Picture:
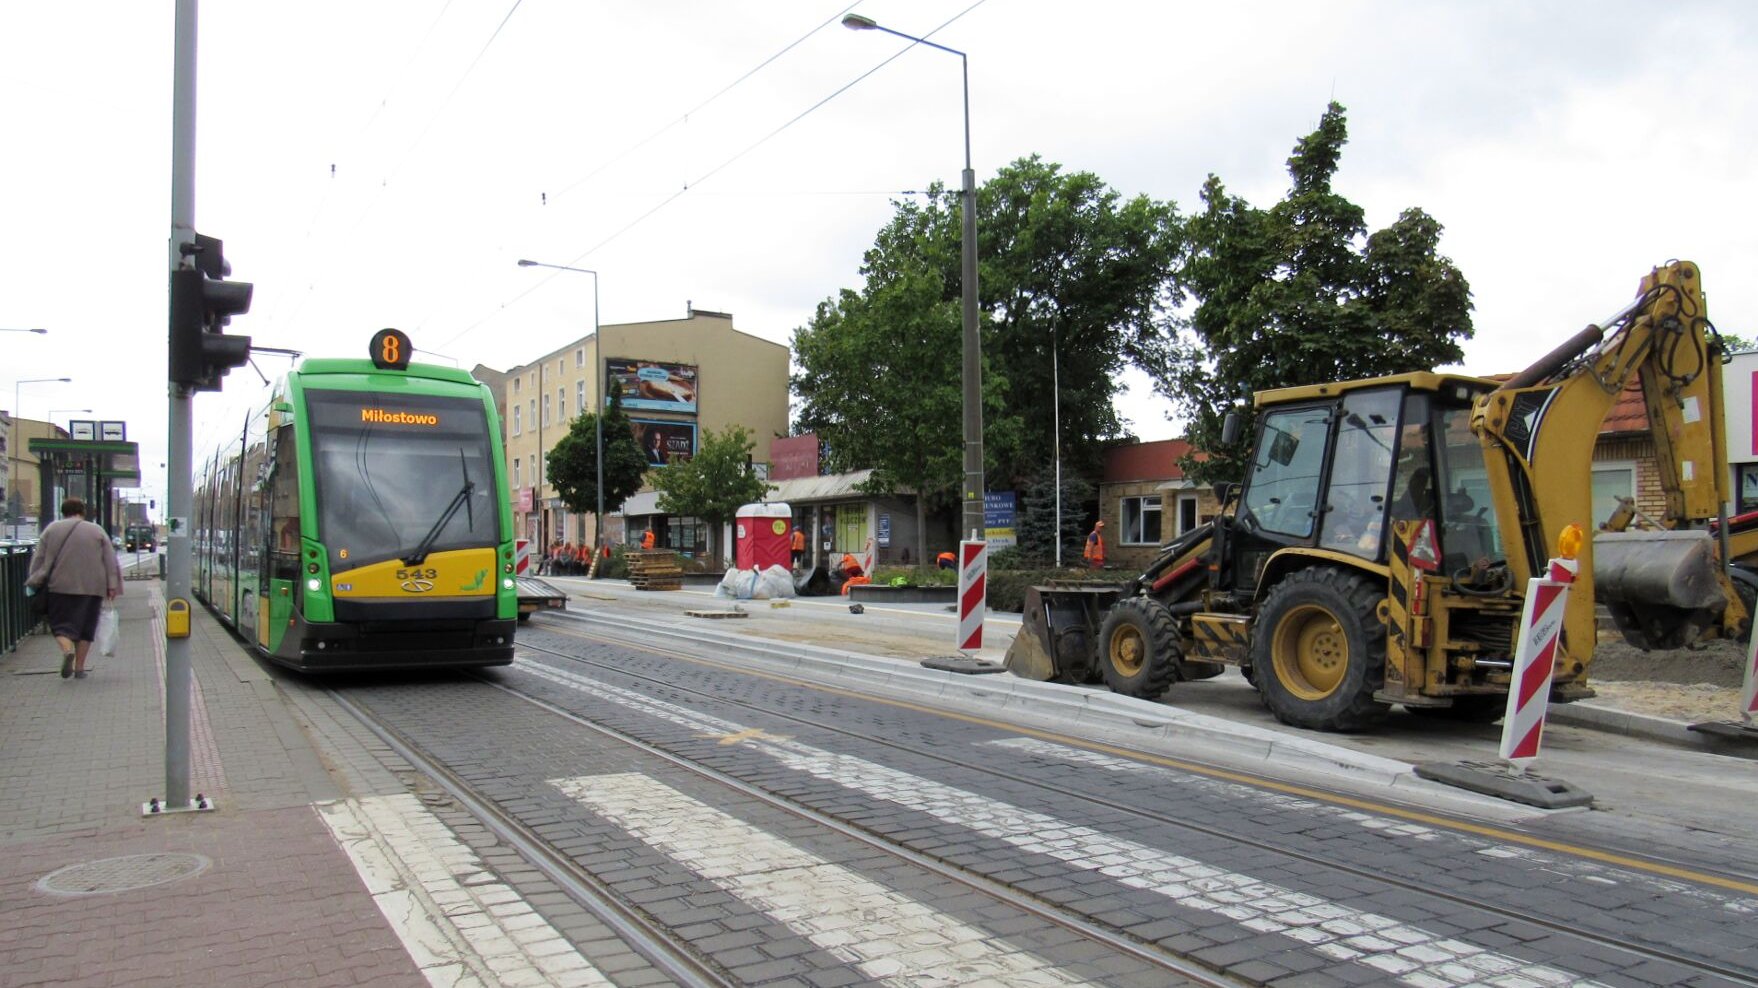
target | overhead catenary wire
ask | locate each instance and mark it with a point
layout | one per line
(674, 196)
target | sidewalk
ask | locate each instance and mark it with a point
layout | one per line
(256, 892)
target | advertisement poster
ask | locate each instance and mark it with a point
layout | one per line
(665, 443)
(998, 508)
(654, 386)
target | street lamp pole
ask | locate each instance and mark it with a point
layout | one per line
(12, 457)
(598, 396)
(973, 521)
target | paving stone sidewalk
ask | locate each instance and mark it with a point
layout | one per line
(256, 892)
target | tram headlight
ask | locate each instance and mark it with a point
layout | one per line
(506, 584)
(313, 585)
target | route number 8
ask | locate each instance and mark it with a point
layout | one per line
(390, 350)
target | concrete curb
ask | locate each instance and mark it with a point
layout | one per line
(1139, 725)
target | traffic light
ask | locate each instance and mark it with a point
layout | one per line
(202, 301)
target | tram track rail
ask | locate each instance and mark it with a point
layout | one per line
(675, 956)
(1606, 941)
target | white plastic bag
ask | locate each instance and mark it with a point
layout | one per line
(105, 642)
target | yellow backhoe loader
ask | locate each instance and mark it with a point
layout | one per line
(1377, 552)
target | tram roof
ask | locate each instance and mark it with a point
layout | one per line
(317, 367)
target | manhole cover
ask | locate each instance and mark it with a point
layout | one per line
(136, 871)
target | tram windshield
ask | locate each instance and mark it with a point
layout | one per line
(398, 473)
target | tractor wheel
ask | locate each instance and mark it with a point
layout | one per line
(1467, 710)
(1318, 652)
(1138, 648)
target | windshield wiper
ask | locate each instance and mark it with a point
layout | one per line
(459, 500)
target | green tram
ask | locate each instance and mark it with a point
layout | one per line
(361, 520)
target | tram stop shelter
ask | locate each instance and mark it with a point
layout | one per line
(89, 469)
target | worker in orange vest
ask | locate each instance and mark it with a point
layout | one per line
(647, 538)
(1094, 553)
(946, 560)
(799, 549)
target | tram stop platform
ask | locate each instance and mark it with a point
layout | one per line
(255, 892)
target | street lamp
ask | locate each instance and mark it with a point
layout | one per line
(598, 396)
(13, 457)
(58, 411)
(973, 346)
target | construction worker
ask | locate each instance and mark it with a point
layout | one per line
(946, 560)
(647, 539)
(799, 546)
(1094, 553)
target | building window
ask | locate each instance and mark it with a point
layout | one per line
(561, 404)
(546, 409)
(1141, 521)
(515, 385)
(580, 396)
(1187, 516)
(1610, 482)
(517, 421)
(580, 357)
(534, 413)
(517, 474)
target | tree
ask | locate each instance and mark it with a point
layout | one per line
(573, 462)
(1301, 293)
(713, 484)
(1036, 525)
(1065, 262)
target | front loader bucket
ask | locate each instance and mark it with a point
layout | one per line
(1055, 639)
(1663, 588)
(1029, 655)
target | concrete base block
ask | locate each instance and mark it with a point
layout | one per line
(962, 664)
(1506, 782)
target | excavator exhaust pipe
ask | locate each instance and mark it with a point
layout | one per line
(1663, 588)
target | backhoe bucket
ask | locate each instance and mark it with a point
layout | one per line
(1663, 588)
(1055, 639)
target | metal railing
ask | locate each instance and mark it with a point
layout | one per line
(15, 615)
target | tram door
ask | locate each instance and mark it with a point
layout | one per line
(281, 540)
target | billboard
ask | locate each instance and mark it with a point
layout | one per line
(655, 386)
(665, 443)
(998, 512)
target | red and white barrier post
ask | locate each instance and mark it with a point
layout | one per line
(973, 593)
(521, 556)
(1749, 695)
(867, 559)
(1535, 652)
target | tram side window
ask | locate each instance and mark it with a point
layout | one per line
(284, 496)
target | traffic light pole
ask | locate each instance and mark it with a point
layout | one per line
(179, 464)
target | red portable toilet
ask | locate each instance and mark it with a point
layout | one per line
(763, 536)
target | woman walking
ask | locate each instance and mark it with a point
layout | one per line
(75, 564)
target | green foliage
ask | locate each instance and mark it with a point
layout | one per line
(916, 576)
(1065, 261)
(713, 484)
(1035, 526)
(573, 462)
(1301, 293)
(1007, 588)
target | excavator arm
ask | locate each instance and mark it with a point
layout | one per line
(1539, 429)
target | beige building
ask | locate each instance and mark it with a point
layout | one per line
(22, 501)
(681, 378)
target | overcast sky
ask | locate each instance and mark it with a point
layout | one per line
(373, 164)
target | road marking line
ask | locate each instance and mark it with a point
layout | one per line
(1415, 956)
(459, 924)
(890, 937)
(1586, 870)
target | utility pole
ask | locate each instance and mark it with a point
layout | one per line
(199, 355)
(178, 465)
